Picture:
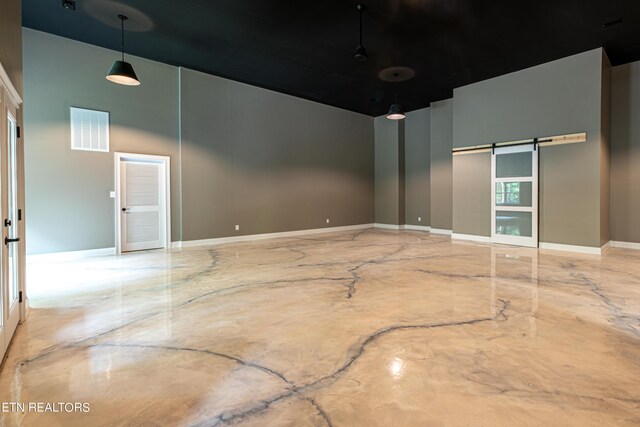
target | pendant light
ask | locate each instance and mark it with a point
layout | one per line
(121, 72)
(361, 53)
(395, 111)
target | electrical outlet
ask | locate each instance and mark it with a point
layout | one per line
(237, 228)
(112, 194)
(419, 219)
(328, 221)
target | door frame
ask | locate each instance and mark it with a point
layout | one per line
(532, 241)
(10, 114)
(11, 104)
(149, 158)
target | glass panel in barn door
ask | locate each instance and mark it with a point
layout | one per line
(514, 198)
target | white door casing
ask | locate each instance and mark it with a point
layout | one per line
(514, 195)
(11, 286)
(142, 202)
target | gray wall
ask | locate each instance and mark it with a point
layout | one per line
(472, 194)
(265, 161)
(67, 192)
(417, 159)
(570, 194)
(556, 98)
(402, 200)
(441, 172)
(11, 40)
(605, 151)
(389, 180)
(625, 153)
(269, 162)
(402, 159)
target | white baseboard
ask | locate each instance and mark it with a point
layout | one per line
(388, 226)
(471, 238)
(625, 245)
(27, 307)
(265, 236)
(571, 248)
(542, 245)
(441, 231)
(402, 227)
(416, 227)
(71, 255)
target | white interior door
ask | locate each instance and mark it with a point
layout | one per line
(514, 195)
(10, 265)
(142, 204)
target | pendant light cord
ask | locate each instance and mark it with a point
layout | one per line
(360, 27)
(396, 76)
(122, 19)
(122, 26)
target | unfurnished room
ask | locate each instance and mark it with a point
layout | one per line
(335, 213)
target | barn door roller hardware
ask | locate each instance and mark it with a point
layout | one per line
(537, 142)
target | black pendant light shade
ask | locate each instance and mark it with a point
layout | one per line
(395, 112)
(121, 72)
(361, 53)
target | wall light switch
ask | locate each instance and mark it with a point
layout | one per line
(112, 194)
(419, 219)
(328, 221)
(237, 228)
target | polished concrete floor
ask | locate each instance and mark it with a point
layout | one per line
(366, 328)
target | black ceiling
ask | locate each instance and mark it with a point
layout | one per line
(306, 48)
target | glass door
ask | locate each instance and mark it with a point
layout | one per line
(514, 196)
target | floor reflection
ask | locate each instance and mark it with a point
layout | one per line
(361, 328)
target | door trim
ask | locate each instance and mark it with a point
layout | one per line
(166, 160)
(11, 95)
(12, 309)
(8, 85)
